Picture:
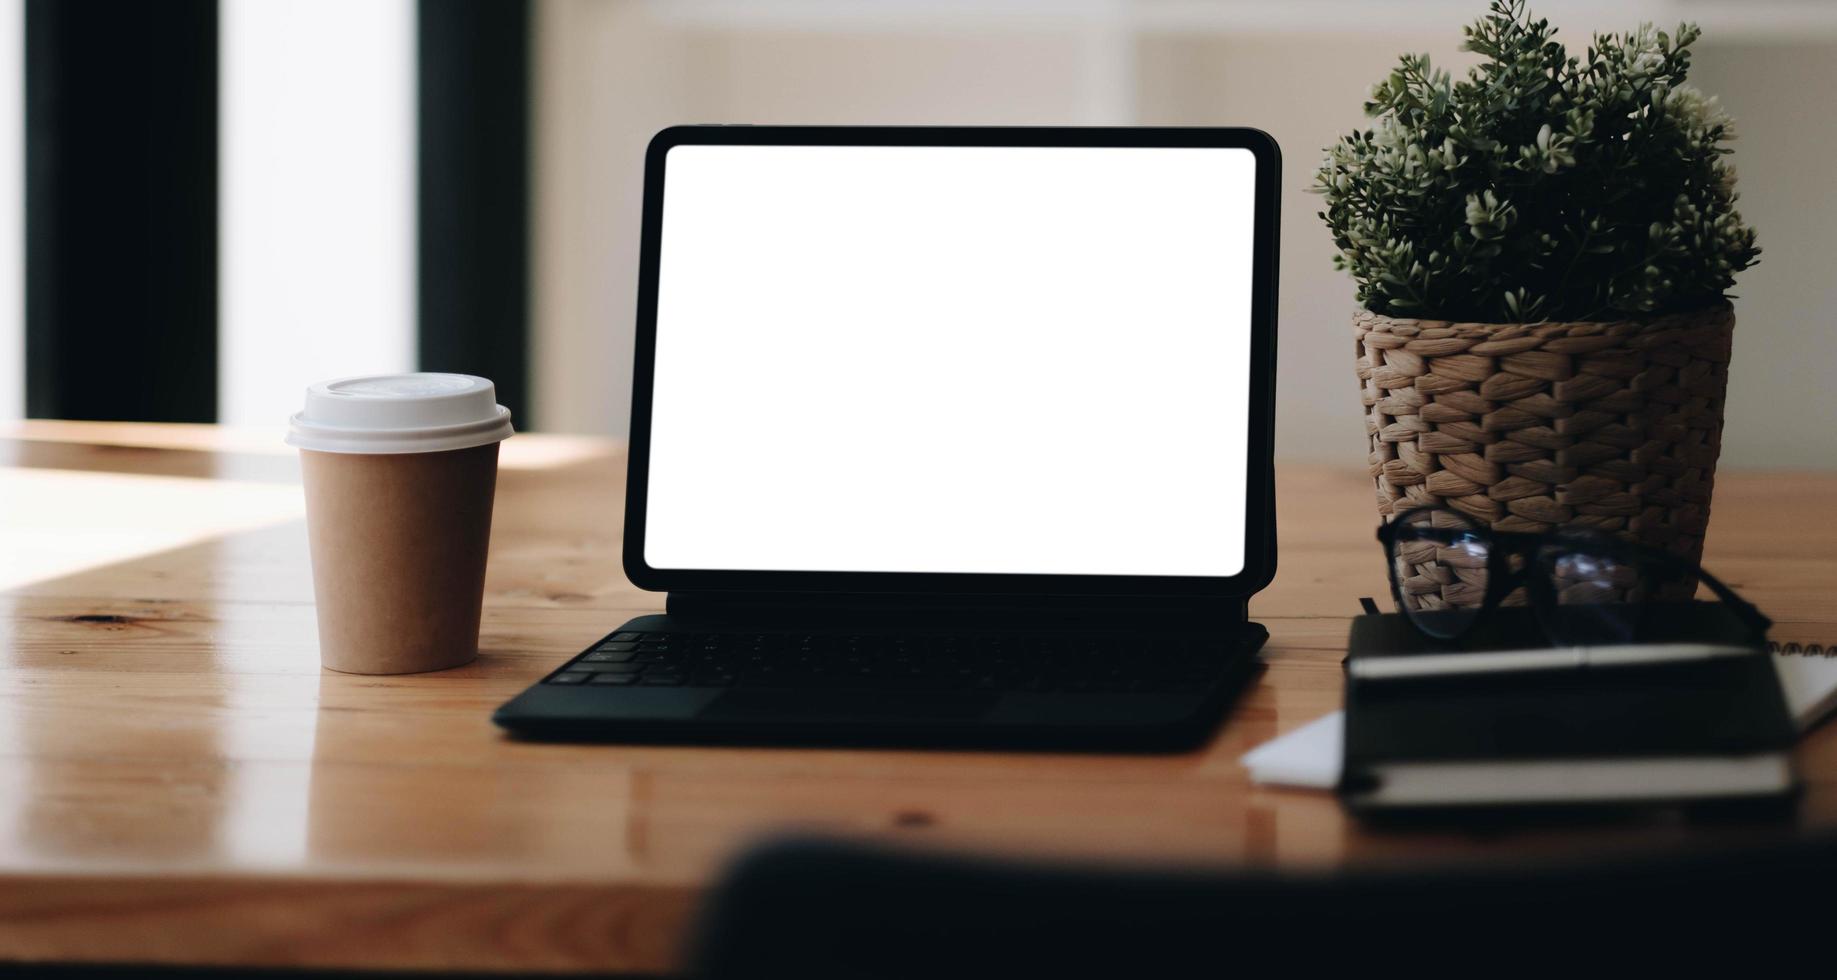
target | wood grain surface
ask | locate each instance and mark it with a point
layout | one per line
(181, 783)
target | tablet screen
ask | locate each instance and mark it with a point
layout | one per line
(1007, 360)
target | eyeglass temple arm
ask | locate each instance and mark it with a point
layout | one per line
(1742, 606)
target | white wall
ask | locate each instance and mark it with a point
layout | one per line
(1004, 78)
(606, 78)
(615, 70)
(1782, 407)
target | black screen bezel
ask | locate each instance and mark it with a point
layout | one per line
(1259, 505)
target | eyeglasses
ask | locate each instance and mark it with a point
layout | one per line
(1587, 587)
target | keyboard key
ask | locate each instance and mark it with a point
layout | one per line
(616, 647)
(626, 637)
(570, 677)
(608, 668)
(607, 657)
(614, 679)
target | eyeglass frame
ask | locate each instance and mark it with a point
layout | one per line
(1502, 580)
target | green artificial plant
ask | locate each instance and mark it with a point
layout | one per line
(1542, 186)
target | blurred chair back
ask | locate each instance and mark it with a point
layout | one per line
(817, 909)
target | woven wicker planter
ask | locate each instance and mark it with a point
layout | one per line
(1611, 425)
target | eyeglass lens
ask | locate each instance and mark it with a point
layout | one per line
(1598, 598)
(1439, 563)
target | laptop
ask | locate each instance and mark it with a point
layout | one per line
(942, 437)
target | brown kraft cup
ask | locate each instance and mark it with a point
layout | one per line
(398, 550)
(400, 472)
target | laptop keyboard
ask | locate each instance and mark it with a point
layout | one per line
(1071, 663)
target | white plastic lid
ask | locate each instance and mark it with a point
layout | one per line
(400, 413)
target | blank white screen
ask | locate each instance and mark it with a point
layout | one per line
(952, 359)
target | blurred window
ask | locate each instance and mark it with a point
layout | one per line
(317, 198)
(12, 209)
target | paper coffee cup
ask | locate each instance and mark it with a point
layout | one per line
(400, 472)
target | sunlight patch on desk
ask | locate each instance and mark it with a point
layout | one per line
(59, 522)
(524, 451)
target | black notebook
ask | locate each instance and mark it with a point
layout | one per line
(1693, 713)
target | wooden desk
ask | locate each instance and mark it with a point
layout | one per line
(179, 782)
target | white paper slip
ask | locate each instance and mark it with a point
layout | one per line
(1810, 683)
(1308, 757)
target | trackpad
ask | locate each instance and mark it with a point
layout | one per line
(865, 706)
